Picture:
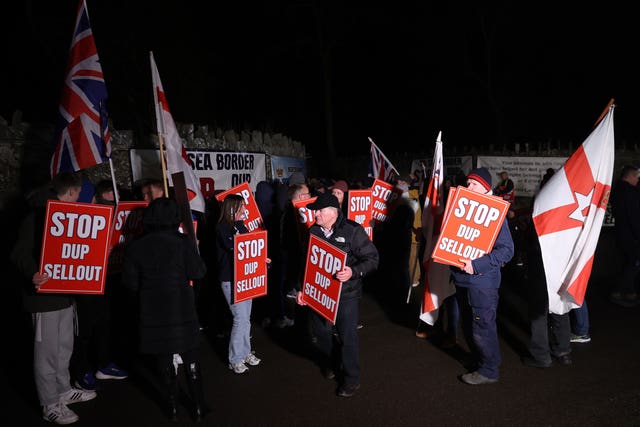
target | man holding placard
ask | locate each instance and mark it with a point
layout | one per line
(52, 313)
(477, 282)
(361, 260)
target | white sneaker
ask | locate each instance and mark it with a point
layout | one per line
(238, 368)
(252, 360)
(59, 414)
(76, 395)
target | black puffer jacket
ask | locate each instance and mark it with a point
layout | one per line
(362, 255)
(158, 267)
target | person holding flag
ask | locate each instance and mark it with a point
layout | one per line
(477, 284)
(438, 290)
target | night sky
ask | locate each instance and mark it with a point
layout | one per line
(398, 72)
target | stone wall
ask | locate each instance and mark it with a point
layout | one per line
(25, 151)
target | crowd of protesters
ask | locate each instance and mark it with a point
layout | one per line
(175, 291)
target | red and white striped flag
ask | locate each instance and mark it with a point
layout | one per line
(568, 214)
(437, 285)
(176, 155)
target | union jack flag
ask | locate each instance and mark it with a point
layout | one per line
(82, 135)
(379, 166)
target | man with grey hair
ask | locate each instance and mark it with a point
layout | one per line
(342, 349)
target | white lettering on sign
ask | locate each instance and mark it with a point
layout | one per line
(472, 209)
(381, 192)
(251, 268)
(72, 224)
(74, 250)
(250, 249)
(460, 249)
(121, 218)
(467, 232)
(305, 215)
(322, 280)
(249, 284)
(325, 260)
(359, 203)
(73, 272)
(323, 299)
(245, 195)
(379, 205)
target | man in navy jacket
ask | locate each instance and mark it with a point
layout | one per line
(477, 286)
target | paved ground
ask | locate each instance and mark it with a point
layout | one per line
(405, 381)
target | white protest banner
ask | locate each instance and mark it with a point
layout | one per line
(525, 172)
(216, 170)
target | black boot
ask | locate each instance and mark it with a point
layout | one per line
(171, 389)
(194, 380)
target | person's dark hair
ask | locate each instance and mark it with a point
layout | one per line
(230, 206)
(628, 170)
(64, 181)
(293, 189)
(161, 214)
(102, 187)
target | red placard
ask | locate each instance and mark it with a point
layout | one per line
(253, 219)
(359, 207)
(384, 196)
(320, 289)
(127, 225)
(471, 225)
(75, 246)
(249, 266)
(304, 215)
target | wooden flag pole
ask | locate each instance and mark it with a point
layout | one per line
(164, 166)
(604, 112)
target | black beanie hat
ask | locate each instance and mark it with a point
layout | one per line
(324, 200)
(481, 175)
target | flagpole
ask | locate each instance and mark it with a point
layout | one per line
(164, 166)
(604, 112)
(113, 182)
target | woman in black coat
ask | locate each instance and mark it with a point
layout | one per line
(158, 267)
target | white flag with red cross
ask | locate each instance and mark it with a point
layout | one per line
(568, 214)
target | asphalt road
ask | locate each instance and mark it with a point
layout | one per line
(405, 381)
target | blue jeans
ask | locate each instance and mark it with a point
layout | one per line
(239, 341)
(580, 319)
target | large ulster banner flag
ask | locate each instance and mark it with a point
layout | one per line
(568, 214)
